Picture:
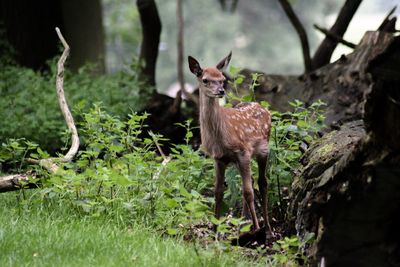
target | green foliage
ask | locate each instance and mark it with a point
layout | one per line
(289, 131)
(118, 174)
(288, 251)
(119, 177)
(29, 104)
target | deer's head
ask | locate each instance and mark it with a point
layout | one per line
(211, 80)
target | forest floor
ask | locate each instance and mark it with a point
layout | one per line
(38, 236)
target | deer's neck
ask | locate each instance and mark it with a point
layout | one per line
(211, 125)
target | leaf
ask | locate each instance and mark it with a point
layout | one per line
(239, 80)
(302, 124)
(191, 206)
(122, 180)
(171, 203)
(172, 231)
(247, 98)
(245, 228)
(216, 221)
(184, 192)
(195, 194)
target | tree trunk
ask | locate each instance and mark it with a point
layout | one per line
(29, 28)
(151, 31)
(83, 27)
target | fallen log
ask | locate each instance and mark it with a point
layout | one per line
(346, 193)
(342, 85)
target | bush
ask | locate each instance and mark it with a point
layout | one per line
(29, 104)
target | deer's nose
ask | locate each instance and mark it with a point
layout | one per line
(221, 91)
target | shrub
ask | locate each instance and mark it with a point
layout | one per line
(29, 104)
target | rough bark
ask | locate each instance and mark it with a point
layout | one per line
(16, 182)
(151, 30)
(83, 28)
(347, 190)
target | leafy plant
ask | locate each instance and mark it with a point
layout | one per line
(289, 131)
(29, 106)
(288, 251)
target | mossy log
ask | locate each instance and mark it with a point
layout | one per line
(347, 192)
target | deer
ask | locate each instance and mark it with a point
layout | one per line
(233, 135)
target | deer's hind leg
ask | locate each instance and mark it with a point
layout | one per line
(262, 159)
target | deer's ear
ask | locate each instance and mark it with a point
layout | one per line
(194, 67)
(224, 62)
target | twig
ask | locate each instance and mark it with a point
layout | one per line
(301, 33)
(335, 37)
(49, 163)
(166, 159)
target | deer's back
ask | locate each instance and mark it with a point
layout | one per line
(247, 127)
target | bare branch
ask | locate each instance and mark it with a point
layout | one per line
(335, 37)
(301, 33)
(325, 50)
(49, 164)
(389, 24)
(63, 102)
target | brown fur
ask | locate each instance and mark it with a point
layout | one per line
(233, 135)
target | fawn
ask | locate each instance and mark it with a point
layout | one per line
(233, 135)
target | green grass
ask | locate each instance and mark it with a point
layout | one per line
(38, 236)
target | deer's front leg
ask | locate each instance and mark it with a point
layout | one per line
(219, 185)
(248, 192)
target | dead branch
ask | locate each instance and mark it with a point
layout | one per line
(301, 33)
(335, 37)
(49, 164)
(17, 181)
(389, 24)
(325, 50)
(12, 182)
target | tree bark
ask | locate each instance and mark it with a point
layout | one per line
(346, 193)
(17, 182)
(151, 30)
(83, 28)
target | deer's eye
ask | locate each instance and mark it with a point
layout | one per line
(205, 81)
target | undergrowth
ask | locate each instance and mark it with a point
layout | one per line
(118, 176)
(29, 105)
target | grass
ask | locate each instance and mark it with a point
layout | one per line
(41, 236)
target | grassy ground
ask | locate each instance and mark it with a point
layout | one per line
(43, 237)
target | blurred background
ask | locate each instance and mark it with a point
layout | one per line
(109, 32)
